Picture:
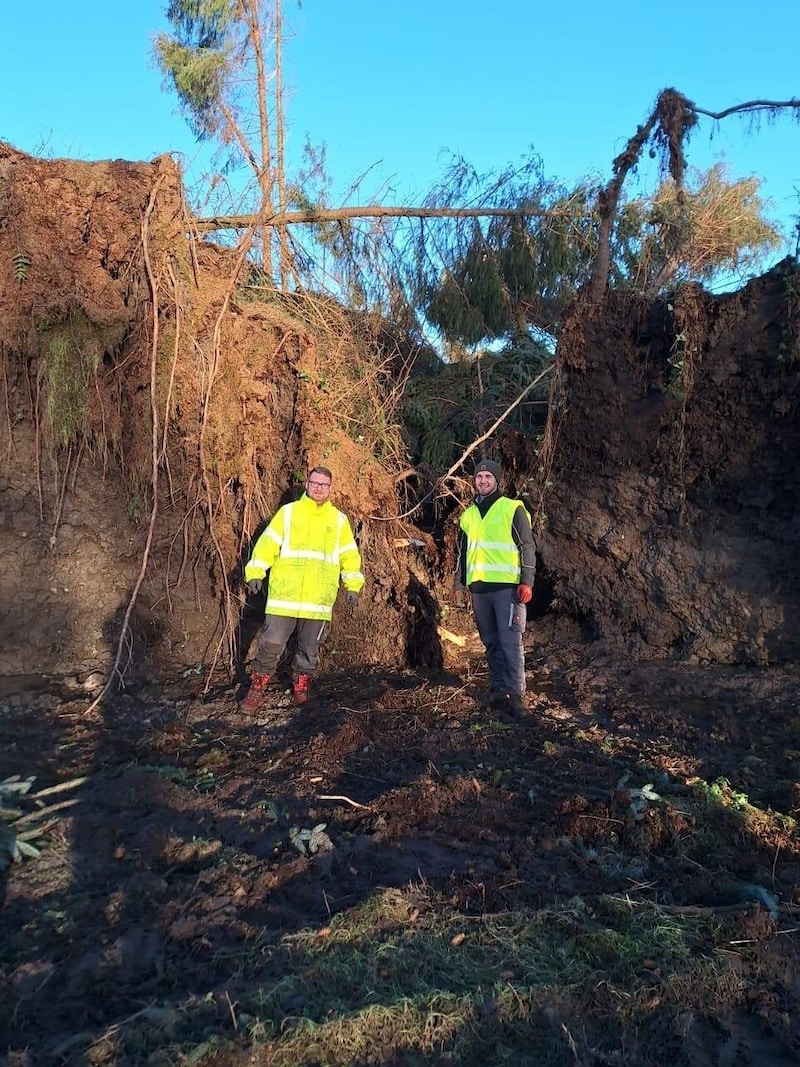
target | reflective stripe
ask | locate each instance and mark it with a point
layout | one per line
(292, 553)
(257, 559)
(498, 568)
(295, 553)
(292, 607)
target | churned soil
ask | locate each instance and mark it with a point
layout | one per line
(177, 842)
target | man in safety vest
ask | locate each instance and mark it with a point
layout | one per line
(497, 563)
(309, 549)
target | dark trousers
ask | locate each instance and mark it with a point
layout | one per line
(503, 643)
(275, 636)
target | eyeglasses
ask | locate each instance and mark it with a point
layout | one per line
(318, 485)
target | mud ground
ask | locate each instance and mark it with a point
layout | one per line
(177, 844)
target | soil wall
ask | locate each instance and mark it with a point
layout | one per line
(671, 503)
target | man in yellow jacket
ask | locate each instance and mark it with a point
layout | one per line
(497, 563)
(308, 549)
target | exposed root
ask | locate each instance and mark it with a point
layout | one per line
(230, 612)
(125, 633)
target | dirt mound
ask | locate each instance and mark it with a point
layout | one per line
(670, 483)
(158, 410)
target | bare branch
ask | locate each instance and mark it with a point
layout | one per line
(670, 121)
(497, 422)
(751, 105)
(467, 451)
(608, 201)
(286, 218)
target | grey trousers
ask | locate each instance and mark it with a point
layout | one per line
(274, 637)
(503, 643)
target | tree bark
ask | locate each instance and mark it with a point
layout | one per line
(608, 201)
(266, 177)
(280, 165)
(286, 218)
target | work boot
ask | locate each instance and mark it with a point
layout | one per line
(254, 697)
(517, 706)
(498, 699)
(300, 689)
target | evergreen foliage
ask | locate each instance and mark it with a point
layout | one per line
(514, 273)
(199, 60)
(478, 281)
(709, 226)
(449, 407)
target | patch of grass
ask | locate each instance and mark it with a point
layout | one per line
(721, 792)
(71, 353)
(69, 376)
(719, 802)
(203, 781)
(407, 972)
(481, 725)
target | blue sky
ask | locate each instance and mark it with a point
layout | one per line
(395, 87)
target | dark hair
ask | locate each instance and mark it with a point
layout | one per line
(321, 470)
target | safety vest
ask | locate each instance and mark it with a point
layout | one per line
(492, 555)
(308, 549)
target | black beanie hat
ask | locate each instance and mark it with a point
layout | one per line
(490, 466)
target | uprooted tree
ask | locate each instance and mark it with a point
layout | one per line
(180, 367)
(667, 130)
(500, 273)
(512, 263)
(217, 61)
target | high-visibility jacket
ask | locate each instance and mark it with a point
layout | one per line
(308, 549)
(492, 555)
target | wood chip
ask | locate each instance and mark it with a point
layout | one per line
(448, 635)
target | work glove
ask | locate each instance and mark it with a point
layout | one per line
(351, 599)
(255, 585)
(524, 593)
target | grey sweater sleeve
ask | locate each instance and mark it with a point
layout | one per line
(523, 538)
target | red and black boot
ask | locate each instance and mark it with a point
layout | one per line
(300, 688)
(253, 699)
